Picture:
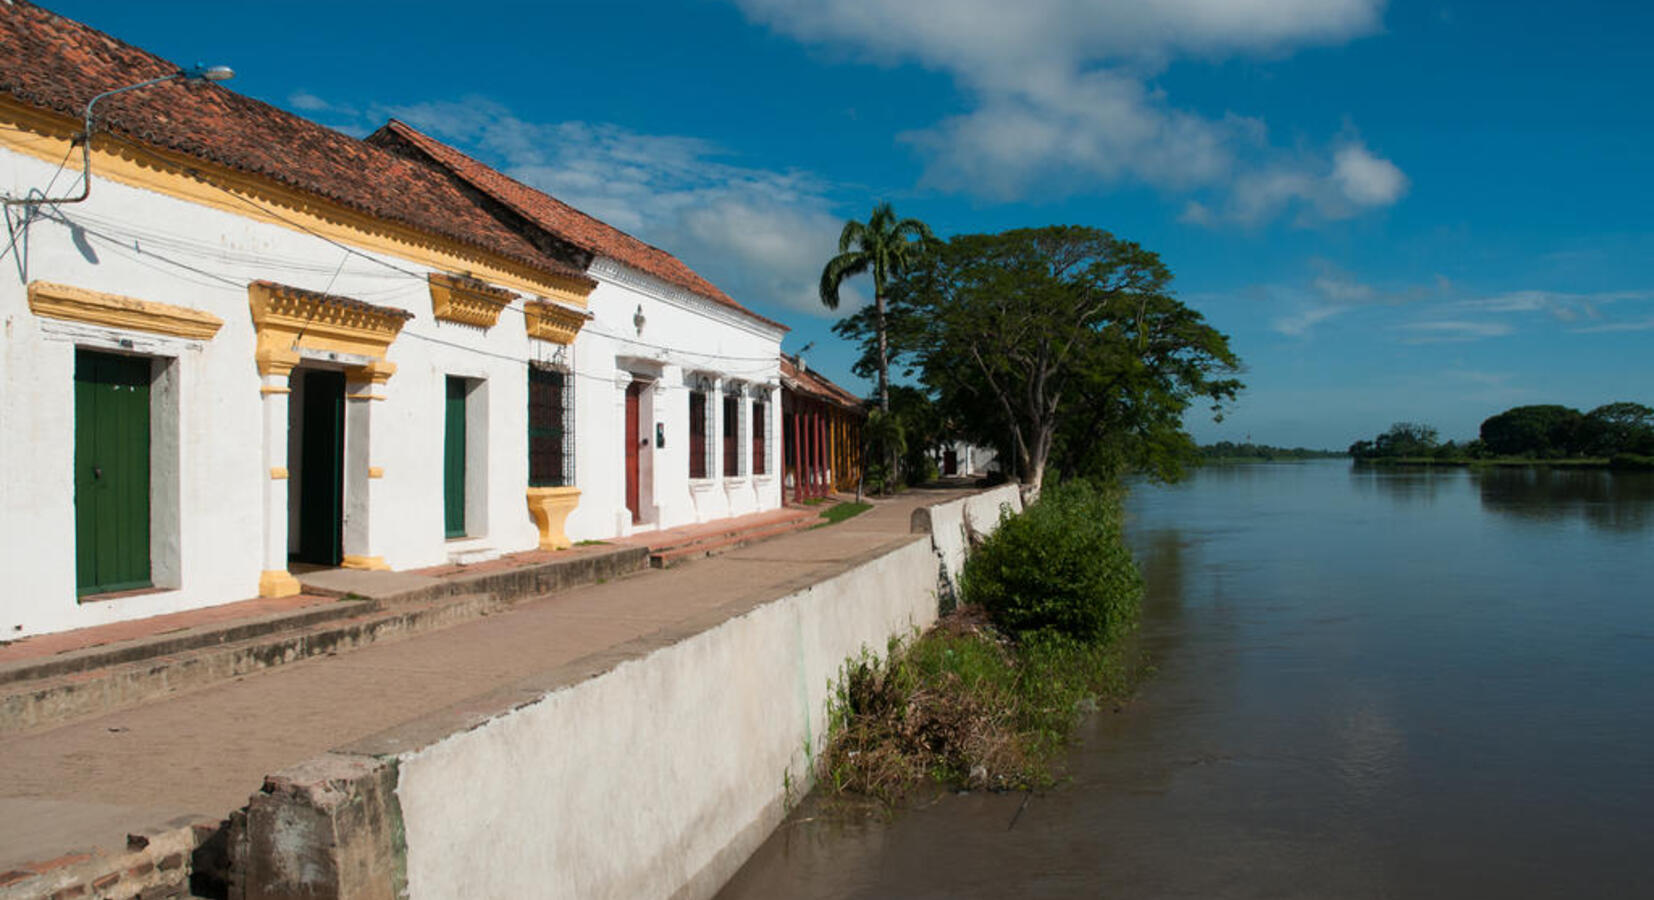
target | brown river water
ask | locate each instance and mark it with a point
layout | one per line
(1371, 684)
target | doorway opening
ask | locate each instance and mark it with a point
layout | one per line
(316, 485)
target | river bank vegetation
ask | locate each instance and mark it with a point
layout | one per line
(989, 697)
(1229, 451)
(1620, 435)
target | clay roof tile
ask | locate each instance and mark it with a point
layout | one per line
(56, 64)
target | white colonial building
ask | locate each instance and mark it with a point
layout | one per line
(257, 344)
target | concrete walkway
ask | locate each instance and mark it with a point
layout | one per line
(91, 782)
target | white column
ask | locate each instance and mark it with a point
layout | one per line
(623, 515)
(362, 479)
(274, 389)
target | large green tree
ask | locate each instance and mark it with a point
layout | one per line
(885, 247)
(1060, 344)
(1546, 430)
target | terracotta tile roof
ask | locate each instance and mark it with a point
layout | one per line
(817, 386)
(56, 64)
(559, 218)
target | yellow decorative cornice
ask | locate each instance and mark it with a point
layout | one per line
(47, 136)
(467, 300)
(62, 301)
(290, 319)
(549, 322)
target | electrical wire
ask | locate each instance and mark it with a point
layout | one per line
(421, 277)
(29, 211)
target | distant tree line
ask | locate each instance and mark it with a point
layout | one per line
(1232, 450)
(1548, 431)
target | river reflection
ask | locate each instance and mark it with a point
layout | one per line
(1615, 501)
(1392, 684)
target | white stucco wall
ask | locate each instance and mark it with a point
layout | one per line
(138, 243)
(660, 777)
(684, 339)
(952, 525)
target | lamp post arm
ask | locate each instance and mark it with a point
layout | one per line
(86, 145)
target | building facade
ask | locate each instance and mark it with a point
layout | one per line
(257, 344)
(823, 433)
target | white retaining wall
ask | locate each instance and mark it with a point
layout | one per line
(661, 776)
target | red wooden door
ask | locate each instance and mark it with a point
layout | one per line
(634, 393)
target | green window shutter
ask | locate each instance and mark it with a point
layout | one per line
(111, 472)
(453, 461)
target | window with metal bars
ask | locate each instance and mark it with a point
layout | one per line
(732, 435)
(698, 426)
(550, 428)
(760, 438)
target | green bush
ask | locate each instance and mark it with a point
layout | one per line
(1062, 566)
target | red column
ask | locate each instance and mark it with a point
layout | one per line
(815, 452)
(810, 450)
(821, 451)
(798, 455)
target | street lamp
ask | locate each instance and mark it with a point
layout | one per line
(198, 73)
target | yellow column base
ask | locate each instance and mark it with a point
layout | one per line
(277, 583)
(371, 563)
(550, 507)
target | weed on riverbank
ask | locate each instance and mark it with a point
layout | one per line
(988, 698)
(966, 707)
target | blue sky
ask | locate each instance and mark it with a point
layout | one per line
(1419, 211)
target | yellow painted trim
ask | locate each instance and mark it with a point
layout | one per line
(277, 583)
(288, 320)
(550, 507)
(364, 396)
(277, 473)
(46, 136)
(376, 472)
(371, 563)
(62, 301)
(267, 390)
(550, 322)
(467, 300)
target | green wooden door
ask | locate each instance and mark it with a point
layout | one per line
(322, 469)
(453, 461)
(111, 472)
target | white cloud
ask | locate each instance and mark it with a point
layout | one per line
(1335, 292)
(1612, 327)
(1443, 331)
(1063, 102)
(1366, 180)
(1299, 324)
(1563, 306)
(307, 101)
(759, 234)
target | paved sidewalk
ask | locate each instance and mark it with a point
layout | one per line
(90, 782)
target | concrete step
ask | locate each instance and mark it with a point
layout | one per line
(43, 702)
(372, 606)
(180, 641)
(508, 579)
(723, 541)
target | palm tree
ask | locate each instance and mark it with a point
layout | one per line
(884, 246)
